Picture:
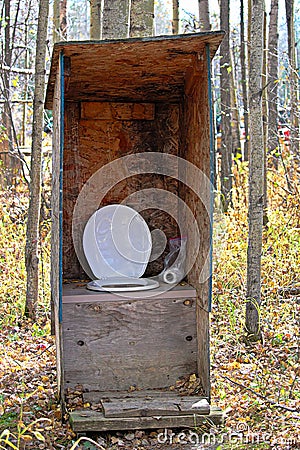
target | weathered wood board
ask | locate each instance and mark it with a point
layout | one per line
(148, 343)
(153, 406)
(117, 111)
(86, 420)
(76, 292)
(196, 138)
(149, 69)
(95, 397)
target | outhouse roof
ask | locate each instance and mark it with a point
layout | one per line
(139, 69)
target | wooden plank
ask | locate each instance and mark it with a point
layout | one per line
(95, 397)
(77, 292)
(147, 343)
(71, 189)
(55, 236)
(153, 406)
(130, 69)
(96, 421)
(197, 151)
(203, 358)
(117, 111)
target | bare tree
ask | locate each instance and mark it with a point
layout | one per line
(204, 19)
(272, 85)
(59, 20)
(10, 157)
(95, 19)
(32, 232)
(235, 110)
(256, 173)
(141, 18)
(175, 16)
(115, 20)
(293, 79)
(244, 80)
(265, 114)
(226, 139)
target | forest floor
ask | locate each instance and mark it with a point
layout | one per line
(257, 385)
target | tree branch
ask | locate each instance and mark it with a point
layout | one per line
(16, 69)
(263, 397)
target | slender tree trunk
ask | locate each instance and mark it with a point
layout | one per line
(115, 20)
(56, 21)
(256, 173)
(294, 83)
(204, 18)
(63, 19)
(26, 84)
(95, 19)
(175, 16)
(142, 18)
(59, 20)
(32, 232)
(235, 111)
(226, 139)
(6, 116)
(265, 113)
(244, 82)
(273, 141)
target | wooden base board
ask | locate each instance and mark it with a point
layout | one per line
(86, 420)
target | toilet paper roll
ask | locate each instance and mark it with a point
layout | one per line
(172, 276)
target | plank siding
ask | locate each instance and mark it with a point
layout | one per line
(55, 234)
(96, 421)
(148, 343)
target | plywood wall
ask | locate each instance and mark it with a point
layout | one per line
(196, 150)
(98, 133)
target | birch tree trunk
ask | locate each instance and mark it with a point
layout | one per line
(294, 82)
(142, 18)
(32, 232)
(273, 141)
(11, 162)
(244, 81)
(204, 18)
(235, 111)
(226, 139)
(59, 20)
(115, 20)
(265, 114)
(95, 19)
(256, 173)
(175, 16)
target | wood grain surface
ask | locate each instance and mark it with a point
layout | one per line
(114, 345)
(96, 421)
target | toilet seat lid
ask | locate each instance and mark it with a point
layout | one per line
(117, 242)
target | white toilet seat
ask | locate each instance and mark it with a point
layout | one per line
(123, 284)
(117, 245)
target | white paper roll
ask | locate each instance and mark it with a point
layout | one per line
(172, 276)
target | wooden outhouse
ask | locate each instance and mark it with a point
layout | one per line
(127, 362)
